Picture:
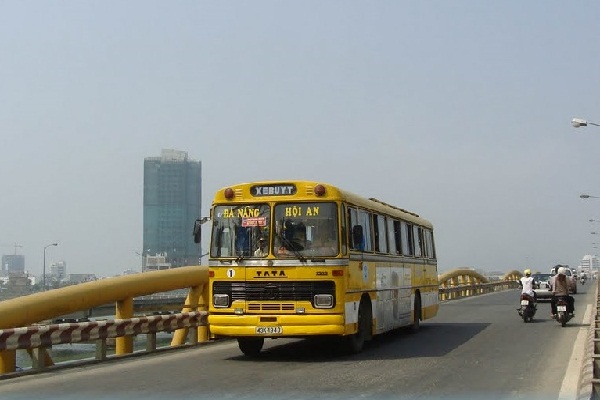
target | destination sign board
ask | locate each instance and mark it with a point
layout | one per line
(273, 190)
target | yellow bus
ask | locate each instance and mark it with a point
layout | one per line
(299, 259)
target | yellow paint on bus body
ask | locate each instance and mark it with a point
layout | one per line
(400, 288)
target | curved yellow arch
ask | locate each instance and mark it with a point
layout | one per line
(462, 272)
(513, 275)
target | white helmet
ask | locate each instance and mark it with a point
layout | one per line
(562, 271)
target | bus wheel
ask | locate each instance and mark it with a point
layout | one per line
(417, 313)
(354, 344)
(251, 346)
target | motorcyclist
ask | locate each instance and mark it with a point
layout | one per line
(560, 288)
(527, 284)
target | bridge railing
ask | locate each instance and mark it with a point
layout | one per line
(36, 339)
(20, 326)
(27, 311)
(589, 383)
(465, 282)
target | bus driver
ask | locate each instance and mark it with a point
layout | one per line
(261, 251)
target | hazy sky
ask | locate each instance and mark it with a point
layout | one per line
(457, 110)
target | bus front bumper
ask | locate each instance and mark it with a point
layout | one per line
(276, 325)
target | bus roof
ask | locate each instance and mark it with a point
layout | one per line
(299, 190)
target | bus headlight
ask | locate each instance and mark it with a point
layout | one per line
(323, 301)
(221, 300)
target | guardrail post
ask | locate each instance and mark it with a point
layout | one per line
(101, 349)
(8, 361)
(203, 330)
(151, 342)
(191, 304)
(40, 357)
(124, 310)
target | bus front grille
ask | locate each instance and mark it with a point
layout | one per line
(274, 291)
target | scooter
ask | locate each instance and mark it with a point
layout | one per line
(562, 315)
(528, 307)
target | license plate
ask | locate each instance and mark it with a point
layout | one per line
(524, 302)
(562, 308)
(268, 330)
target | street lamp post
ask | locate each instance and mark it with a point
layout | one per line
(44, 271)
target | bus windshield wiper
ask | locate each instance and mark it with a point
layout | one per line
(240, 256)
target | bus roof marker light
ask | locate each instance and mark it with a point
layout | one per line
(320, 190)
(229, 193)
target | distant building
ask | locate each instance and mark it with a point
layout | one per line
(589, 264)
(58, 270)
(172, 192)
(13, 264)
(156, 263)
(79, 278)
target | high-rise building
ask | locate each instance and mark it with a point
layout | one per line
(589, 264)
(172, 192)
(12, 264)
(58, 270)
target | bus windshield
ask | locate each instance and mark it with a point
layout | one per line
(306, 229)
(240, 231)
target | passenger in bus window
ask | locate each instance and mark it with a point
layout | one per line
(358, 238)
(282, 251)
(261, 250)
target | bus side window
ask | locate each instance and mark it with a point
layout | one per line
(397, 237)
(429, 244)
(365, 221)
(407, 239)
(358, 239)
(352, 220)
(344, 237)
(379, 233)
(418, 240)
(389, 223)
(376, 238)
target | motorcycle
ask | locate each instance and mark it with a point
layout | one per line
(562, 314)
(582, 279)
(528, 307)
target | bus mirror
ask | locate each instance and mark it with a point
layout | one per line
(198, 227)
(197, 231)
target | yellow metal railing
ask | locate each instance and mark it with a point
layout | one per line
(38, 307)
(33, 309)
